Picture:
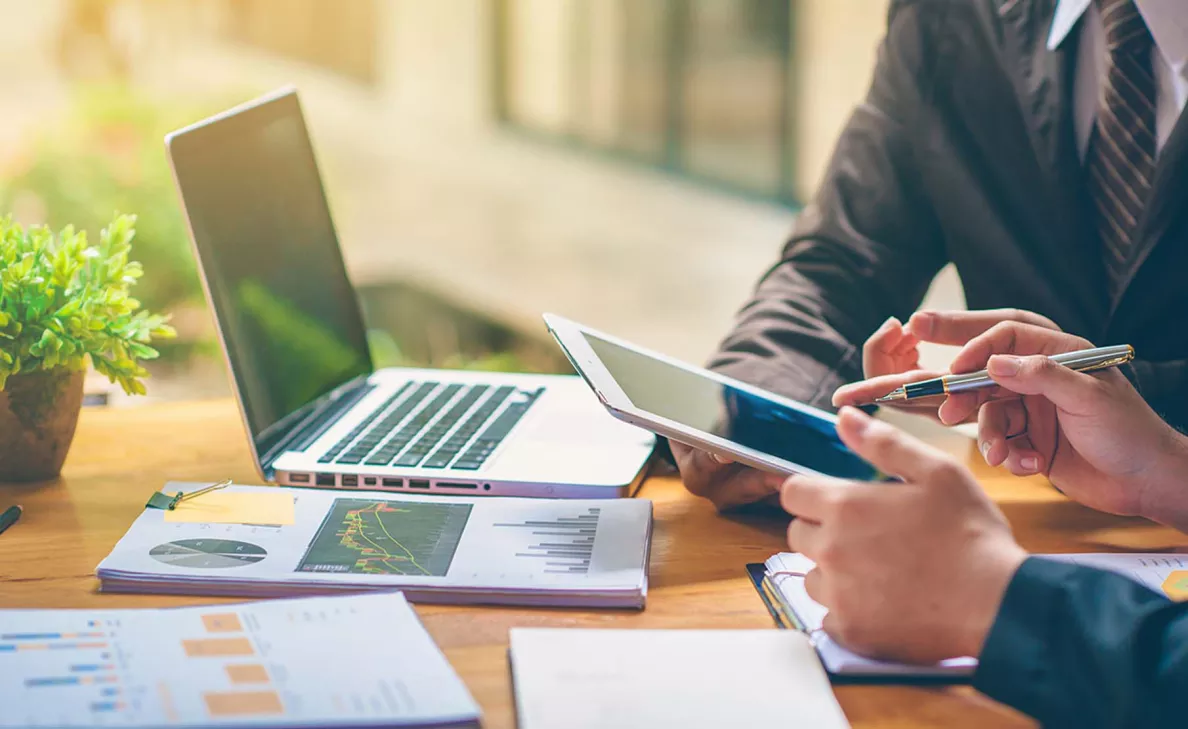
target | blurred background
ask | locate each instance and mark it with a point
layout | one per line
(635, 164)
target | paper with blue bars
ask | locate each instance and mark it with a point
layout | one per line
(250, 664)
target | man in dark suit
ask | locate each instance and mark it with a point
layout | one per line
(1036, 144)
(928, 569)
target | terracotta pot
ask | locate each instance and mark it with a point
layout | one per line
(38, 414)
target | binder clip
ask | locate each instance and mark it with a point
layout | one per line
(169, 503)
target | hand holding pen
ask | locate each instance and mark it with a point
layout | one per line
(1085, 360)
(891, 356)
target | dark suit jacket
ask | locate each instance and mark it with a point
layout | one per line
(964, 151)
(1081, 648)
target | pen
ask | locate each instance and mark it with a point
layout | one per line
(1085, 360)
(10, 517)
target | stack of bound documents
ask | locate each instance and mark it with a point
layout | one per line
(435, 548)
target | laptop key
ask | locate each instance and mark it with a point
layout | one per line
(489, 440)
(431, 437)
(456, 442)
(409, 430)
(368, 442)
(341, 445)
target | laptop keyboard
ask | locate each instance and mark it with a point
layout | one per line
(428, 424)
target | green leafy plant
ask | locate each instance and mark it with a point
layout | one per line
(103, 154)
(64, 300)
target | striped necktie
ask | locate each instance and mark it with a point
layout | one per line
(1121, 155)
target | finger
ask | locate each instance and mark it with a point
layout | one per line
(888, 449)
(830, 625)
(958, 327)
(805, 537)
(739, 485)
(694, 463)
(727, 486)
(1014, 338)
(879, 347)
(999, 421)
(1074, 392)
(866, 391)
(1023, 459)
(814, 586)
(962, 407)
(809, 497)
(906, 344)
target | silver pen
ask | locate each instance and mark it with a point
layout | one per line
(1086, 360)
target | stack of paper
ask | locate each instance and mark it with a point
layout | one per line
(435, 548)
(621, 679)
(257, 664)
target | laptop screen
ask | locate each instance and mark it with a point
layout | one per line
(288, 316)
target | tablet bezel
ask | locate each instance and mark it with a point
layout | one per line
(570, 335)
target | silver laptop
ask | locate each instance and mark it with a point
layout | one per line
(318, 413)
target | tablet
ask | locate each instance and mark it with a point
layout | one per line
(706, 410)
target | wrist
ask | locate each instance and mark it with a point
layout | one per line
(998, 569)
(1162, 492)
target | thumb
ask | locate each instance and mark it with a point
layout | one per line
(1067, 389)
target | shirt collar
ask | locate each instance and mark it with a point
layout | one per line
(1167, 19)
(1068, 12)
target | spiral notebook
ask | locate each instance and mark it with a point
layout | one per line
(780, 582)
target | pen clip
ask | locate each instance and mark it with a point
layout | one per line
(1111, 362)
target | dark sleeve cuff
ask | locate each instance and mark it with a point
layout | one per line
(1015, 660)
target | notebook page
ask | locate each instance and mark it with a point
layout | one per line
(785, 571)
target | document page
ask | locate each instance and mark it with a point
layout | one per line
(354, 661)
(622, 679)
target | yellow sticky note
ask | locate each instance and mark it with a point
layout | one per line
(236, 507)
(1176, 585)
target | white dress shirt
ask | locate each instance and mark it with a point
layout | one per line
(1168, 23)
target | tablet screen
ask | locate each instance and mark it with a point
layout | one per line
(704, 404)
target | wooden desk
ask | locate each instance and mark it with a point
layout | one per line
(697, 580)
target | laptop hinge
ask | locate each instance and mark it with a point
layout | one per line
(320, 416)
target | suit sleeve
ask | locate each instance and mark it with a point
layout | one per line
(1079, 647)
(866, 248)
(1164, 385)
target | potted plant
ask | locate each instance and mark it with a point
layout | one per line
(64, 302)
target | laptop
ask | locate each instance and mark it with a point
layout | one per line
(317, 412)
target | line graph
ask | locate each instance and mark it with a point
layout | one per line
(362, 536)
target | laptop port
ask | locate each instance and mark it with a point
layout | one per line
(325, 479)
(352, 481)
(451, 485)
(414, 483)
(299, 477)
(369, 480)
(394, 482)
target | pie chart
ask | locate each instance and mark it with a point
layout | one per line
(207, 553)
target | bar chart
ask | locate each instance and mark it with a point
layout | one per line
(565, 544)
(227, 666)
(76, 662)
